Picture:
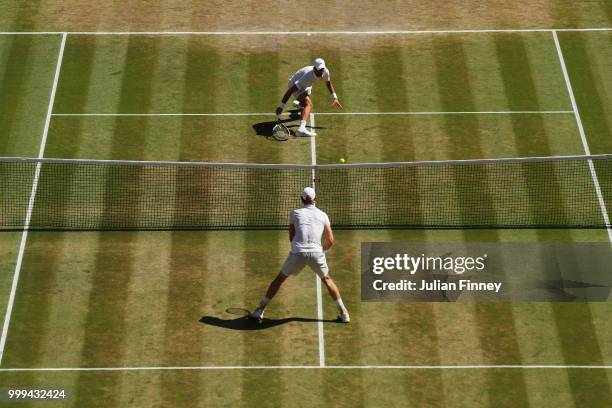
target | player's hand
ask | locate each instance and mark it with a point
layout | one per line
(279, 110)
(337, 104)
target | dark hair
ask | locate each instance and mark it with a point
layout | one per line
(307, 200)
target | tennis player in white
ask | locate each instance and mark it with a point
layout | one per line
(306, 227)
(300, 86)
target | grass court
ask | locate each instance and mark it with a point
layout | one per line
(135, 299)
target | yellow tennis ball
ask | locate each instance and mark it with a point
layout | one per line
(342, 160)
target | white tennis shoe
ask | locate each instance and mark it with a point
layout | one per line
(344, 317)
(305, 132)
(296, 104)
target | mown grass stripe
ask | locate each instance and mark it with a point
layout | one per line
(579, 59)
(520, 89)
(32, 305)
(519, 85)
(407, 315)
(262, 69)
(492, 319)
(607, 8)
(25, 17)
(76, 79)
(105, 325)
(152, 257)
(579, 345)
(187, 275)
(12, 86)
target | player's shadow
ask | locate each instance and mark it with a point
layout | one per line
(245, 323)
(266, 128)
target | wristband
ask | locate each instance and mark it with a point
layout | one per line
(335, 96)
(282, 105)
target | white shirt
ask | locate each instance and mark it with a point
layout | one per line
(305, 77)
(309, 223)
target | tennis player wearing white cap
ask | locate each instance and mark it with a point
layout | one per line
(300, 86)
(306, 227)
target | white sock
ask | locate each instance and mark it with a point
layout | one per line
(341, 307)
(264, 302)
(302, 124)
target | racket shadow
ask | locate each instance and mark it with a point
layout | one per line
(244, 323)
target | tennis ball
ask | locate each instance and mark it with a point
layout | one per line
(342, 160)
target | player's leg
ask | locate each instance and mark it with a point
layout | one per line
(296, 101)
(306, 102)
(318, 263)
(335, 295)
(293, 265)
(270, 293)
(331, 287)
(275, 285)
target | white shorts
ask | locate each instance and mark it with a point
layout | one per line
(296, 261)
(300, 92)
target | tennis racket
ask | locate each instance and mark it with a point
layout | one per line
(280, 132)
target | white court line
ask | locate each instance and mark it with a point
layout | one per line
(313, 149)
(24, 236)
(585, 144)
(338, 32)
(33, 33)
(310, 367)
(313, 160)
(416, 113)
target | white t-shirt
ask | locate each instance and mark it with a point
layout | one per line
(305, 77)
(309, 223)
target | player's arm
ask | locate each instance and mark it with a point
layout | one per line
(286, 97)
(291, 232)
(329, 237)
(332, 91)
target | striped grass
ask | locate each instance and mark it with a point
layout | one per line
(115, 299)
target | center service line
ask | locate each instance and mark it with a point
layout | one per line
(313, 158)
(24, 236)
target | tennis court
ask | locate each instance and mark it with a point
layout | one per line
(132, 301)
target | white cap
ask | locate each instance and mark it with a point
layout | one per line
(319, 63)
(308, 193)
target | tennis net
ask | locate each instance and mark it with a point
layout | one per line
(70, 194)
